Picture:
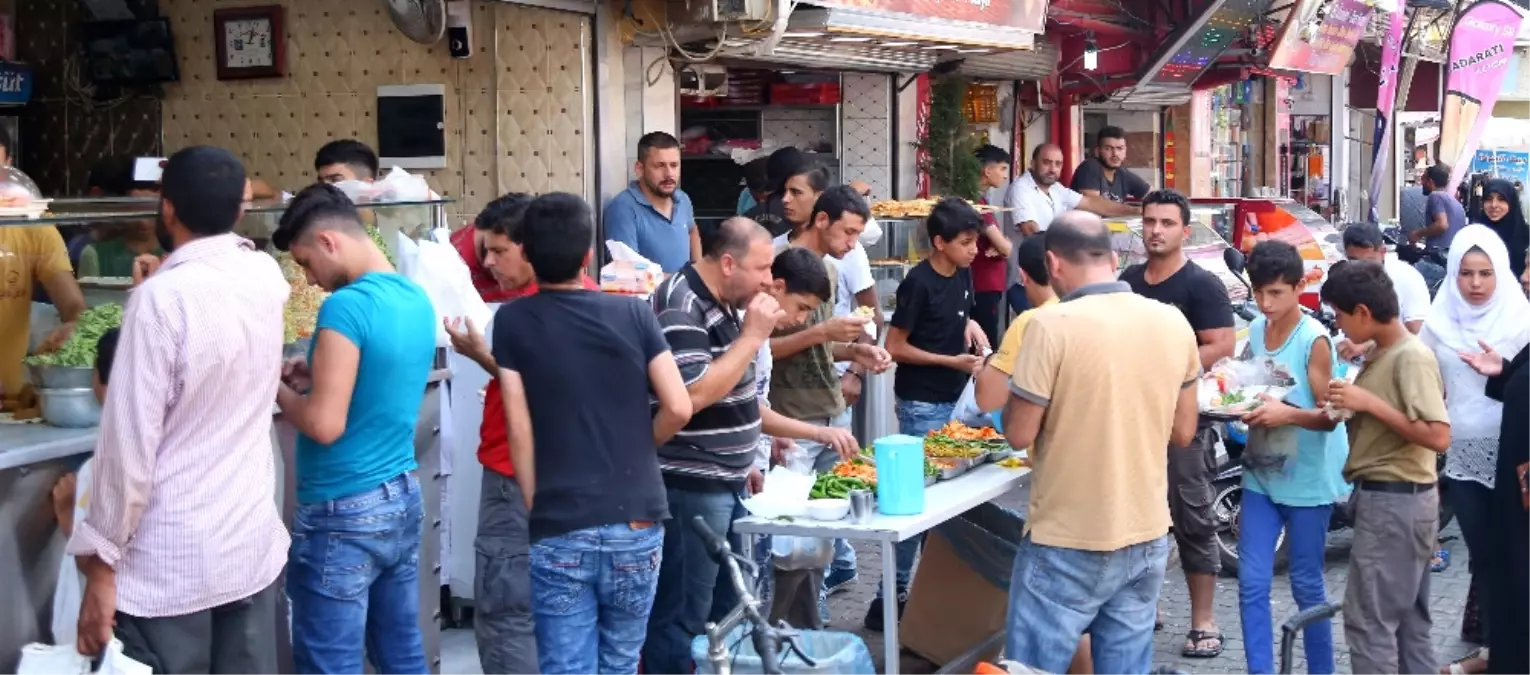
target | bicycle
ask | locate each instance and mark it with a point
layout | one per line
(768, 639)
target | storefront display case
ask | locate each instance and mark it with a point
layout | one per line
(33, 455)
(1254, 220)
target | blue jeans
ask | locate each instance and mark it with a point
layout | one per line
(690, 583)
(591, 590)
(353, 581)
(1056, 594)
(916, 418)
(1259, 526)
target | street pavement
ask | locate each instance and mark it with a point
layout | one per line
(848, 611)
(1448, 588)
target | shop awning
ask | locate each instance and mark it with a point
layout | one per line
(997, 38)
(1192, 50)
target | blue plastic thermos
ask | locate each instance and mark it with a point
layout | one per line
(900, 475)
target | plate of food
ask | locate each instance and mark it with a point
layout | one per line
(1234, 403)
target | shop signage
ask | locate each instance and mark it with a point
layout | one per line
(15, 84)
(1030, 15)
(1506, 164)
(1391, 56)
(1310, 45)
(1481, 47)
(1184, 58)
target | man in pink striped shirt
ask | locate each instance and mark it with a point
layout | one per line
(183, 543)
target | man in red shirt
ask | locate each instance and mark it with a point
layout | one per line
(469, 242)
(990, 271)
(502, 623)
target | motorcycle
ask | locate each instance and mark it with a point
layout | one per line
(1430, 261)
(1227, 484)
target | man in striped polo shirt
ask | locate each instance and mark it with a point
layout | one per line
(711, 461)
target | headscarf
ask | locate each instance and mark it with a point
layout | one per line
(1512, 228)
(1503, 321)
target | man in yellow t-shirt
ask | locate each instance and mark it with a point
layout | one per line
(993, 383)
(31, 256)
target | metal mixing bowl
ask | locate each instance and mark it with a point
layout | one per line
(61, 377)
(70, 408)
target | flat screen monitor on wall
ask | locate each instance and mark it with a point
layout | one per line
(132, 51)
(411, 126)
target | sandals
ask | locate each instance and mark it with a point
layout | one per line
(1459, 667)
(1440, 562)
(1194, 638)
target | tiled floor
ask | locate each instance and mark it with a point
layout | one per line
(459, 655)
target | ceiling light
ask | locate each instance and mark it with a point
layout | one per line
(1091, 55)
(974, 51)
(896, 43)
(932, 48)
(850, 39)
(802, 34)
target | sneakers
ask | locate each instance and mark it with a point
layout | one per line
(874, 612)
(839, 580)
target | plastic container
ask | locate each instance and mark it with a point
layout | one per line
(834, 652)
(900, 475)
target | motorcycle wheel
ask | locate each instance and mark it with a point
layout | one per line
(1226, 506)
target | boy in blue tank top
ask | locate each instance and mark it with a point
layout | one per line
(1293, 462)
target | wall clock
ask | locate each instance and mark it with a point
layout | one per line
(251, 42)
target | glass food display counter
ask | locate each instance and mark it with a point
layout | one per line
(34, 455)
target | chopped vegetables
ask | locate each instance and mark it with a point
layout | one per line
(302, 309)
(856, 468)
(830, 486)
(79, 351)
(1012, 463)
(963, 442)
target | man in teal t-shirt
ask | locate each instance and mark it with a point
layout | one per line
(354, 564)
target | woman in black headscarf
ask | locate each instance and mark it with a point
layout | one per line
(1501, 211)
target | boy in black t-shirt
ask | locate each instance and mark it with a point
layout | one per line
(932, 338)
(585, 455)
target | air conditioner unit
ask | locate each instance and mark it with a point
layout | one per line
(718, 11)
(703, 80)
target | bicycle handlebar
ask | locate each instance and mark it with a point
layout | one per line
(768, 639)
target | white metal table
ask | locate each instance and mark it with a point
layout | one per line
(943, 501)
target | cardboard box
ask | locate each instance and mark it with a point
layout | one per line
(951, 607)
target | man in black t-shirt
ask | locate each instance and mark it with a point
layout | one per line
(1104, 174)
(585, 455)
(1169, 277)
(932, 338)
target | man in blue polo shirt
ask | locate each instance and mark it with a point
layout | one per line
(653, 215)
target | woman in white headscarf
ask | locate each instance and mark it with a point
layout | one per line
(1479, 306)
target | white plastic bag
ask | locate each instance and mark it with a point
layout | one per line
(967, 411)
(70, 591)
(439, 270)
(872, 234)
(41, 659)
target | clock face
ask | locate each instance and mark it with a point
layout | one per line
(248, 43)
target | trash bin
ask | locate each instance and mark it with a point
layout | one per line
(835, 652)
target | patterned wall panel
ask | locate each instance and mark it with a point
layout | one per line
(527, 75)
(63, 132)
(867, 128)
(800, 127)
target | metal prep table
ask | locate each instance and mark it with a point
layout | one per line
(34, 456)
(942, 502)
